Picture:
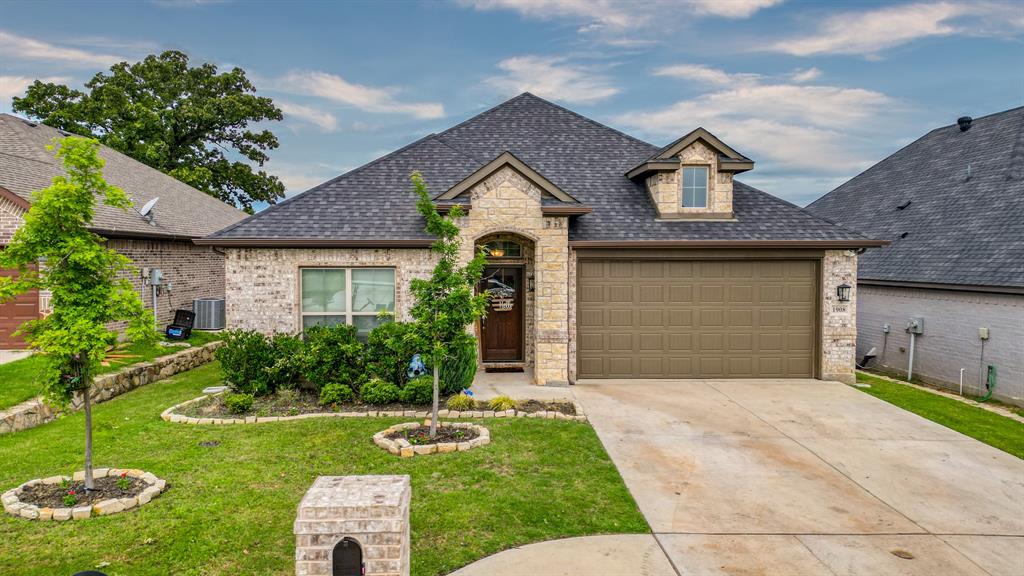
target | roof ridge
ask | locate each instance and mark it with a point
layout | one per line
(803, 210)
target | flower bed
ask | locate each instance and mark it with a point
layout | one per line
(412, 438)
(65, 498)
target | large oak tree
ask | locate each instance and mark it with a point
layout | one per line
(192, 123)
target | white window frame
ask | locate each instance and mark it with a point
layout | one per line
(682, 185)
(348, 313)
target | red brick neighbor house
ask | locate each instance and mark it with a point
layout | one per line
(609, 257)
(160, 240)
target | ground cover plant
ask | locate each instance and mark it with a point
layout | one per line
(234, 489)
(988, 427)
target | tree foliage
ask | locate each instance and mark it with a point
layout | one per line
(447, 302)
(185, 121)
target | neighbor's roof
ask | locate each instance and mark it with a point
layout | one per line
(26, 166)
(375, 204)
(964, 223)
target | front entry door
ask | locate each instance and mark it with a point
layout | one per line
(501, 330)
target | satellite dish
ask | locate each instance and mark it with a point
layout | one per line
(148, 207)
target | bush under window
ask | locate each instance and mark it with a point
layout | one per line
(418, 391)
(333, 355)
(379, 392)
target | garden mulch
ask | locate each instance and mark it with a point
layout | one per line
(52, 495)
(421, 436)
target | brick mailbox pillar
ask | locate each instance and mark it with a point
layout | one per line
(348, 522)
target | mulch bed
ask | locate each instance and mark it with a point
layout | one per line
(52, 495)
(288, 404)
(421, 436)
(553, 406)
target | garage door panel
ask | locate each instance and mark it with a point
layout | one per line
(696, 319)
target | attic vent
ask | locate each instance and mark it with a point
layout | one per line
(904, 205)
(30, 124)
(964, 122)
(904, 235)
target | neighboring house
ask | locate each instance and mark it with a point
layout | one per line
(952, 203)
(610, 257)
(163, 240)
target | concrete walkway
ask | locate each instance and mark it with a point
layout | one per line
(12, 355)
(789, 478)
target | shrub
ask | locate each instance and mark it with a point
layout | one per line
(335, 393)
(245, 358)
(460, 402)
(238, 403)
(379, 392)
(388, 352)
(286, 370)
(501, 403)
(418, 391)
(332, 355)
(458, 370)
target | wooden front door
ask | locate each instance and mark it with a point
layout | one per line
(501, 330)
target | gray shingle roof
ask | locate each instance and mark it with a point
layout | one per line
(961, 228)
(580, 156)
(26, 166)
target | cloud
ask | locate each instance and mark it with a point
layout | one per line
(805, 75)
(552, 77)
(325, 121)
(13, 46)
(11, 86)
(366, 98)
(732, 8)
(705, 74)
(868, 33)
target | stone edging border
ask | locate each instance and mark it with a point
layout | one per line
(401, 447)
(15, 507)
(168, 415)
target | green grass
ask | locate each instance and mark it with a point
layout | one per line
(230, 508)
(988, 427)
(18, 379)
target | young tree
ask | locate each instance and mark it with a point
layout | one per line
(446, 303)
(54, 250)
(181, 120)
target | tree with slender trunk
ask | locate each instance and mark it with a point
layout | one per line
(54, 250)
(446, 303)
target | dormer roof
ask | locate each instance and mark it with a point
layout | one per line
(667, 158)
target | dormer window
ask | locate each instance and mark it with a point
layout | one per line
(695, 186)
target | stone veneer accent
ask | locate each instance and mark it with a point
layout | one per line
(838, 319)
(666, 190)
(507, 202)
(35, 412)
(15, 507)
(372, 510)
(262, 284)
(402, 448)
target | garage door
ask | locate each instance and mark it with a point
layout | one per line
(13, 313)
(696, 319)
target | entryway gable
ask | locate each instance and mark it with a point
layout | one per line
(507, 160)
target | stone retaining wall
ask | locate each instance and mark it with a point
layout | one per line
(34, 412)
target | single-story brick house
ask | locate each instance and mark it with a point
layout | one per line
(163, 240)
(952, 203)
(611, 257)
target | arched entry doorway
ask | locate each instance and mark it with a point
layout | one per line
(506, 330)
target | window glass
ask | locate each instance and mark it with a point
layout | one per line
(504, 249)
(364, 324)
(695, 186)
(373, 290)
(309, 321)
(323, 290)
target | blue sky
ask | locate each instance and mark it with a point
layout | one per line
(814, 92)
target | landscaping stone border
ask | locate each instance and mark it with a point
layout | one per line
(402, 448)
(15, 507)
(169, 415)
(35, 412)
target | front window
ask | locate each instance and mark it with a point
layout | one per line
(695, 187)
(503, 249)
(356, 296)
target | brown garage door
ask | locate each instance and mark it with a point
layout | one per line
(13, 313)
(696, 319)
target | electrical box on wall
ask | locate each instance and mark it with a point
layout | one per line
(915, 325)
(156, 277)
(886, 328)
(983, 333)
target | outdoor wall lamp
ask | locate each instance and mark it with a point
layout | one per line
(843, 292)
(530, 286)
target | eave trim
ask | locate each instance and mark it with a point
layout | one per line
(834, 244)
(310, 243)
(939, 286)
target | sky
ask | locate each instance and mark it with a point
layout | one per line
(814, 92)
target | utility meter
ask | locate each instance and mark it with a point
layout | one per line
(915, 326)
(156, 277)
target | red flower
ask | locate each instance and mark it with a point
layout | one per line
(123, 474)
(72, 492)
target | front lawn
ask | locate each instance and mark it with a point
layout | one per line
(18, 379)
(988, 427)
(230, 508)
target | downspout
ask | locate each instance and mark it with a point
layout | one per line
(910, 367)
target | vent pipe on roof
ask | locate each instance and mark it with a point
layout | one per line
(964, 122)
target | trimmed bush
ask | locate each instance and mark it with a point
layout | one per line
(286, 370)
(460, 402)
(379, 392)
(457, 372)
(246, 359)
(238, 403)
(388, 352)
(333, 355)
(335, 393)
(418, 391)
(501, 403)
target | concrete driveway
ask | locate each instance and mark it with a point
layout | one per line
(803, 477)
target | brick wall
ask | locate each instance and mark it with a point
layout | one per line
(950, 340)
(838, 319)
(194, 272)
(10, 219)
